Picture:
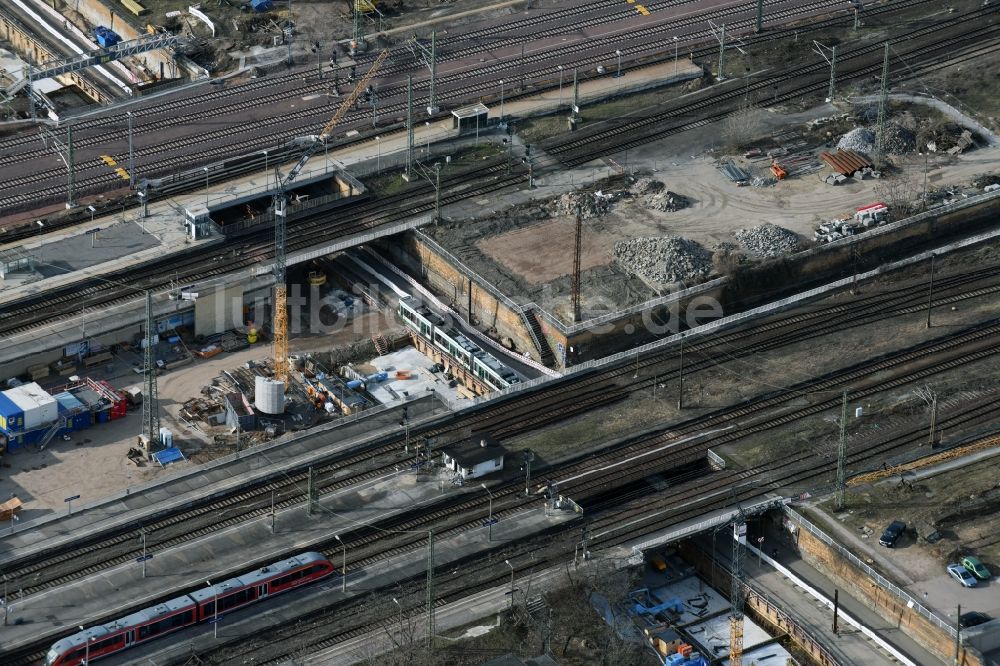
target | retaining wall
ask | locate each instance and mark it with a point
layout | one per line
(863, 252)
(921, 624)
(114, 15)
(489, 311)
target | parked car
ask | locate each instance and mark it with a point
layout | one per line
(973, 619)
(962, 575)
(892, 533)
(975, 567)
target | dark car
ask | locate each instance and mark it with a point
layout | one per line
(891, 534)
(973, 619)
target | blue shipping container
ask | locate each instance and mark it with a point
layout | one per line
(11, 416)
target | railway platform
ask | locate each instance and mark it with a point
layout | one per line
(285, 611)
(234, 549)
(138, 506)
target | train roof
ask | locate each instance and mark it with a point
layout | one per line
(498, 367)
(258, 575)
(460, 340)
(138, 618)
(422, 310)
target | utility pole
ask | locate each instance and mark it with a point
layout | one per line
(529, 457)
(272, 512)
(576, 267)
(150, 401)
(930, 293)
(70, 193)
(680, 379)
(934, 413)
(759, 25)
(432, 107)
(882, 103)
(836, 609)
(312, 493)
(842, 455)
(576, 93)
(958, 635)
(821, 50)
(437, 192)
(430, 589)
(409, 126)
(143, 532)
(722, 76)
(132, 180)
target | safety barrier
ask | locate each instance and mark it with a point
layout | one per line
(878, 578)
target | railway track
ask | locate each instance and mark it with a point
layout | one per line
(258, 134)
(21, 317)
(254, 502)
(619, 518)
(572, 397)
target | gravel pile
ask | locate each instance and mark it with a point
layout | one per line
(664, 260)
(646, 186)
(898, 140)
(768, 240)
(590, 204)
(860, 139)
(666, 201)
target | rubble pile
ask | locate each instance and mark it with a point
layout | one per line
(768, 240)
(860, 139)
(898, 140)
(646, 186)
(666, 201)
(589, 204)
(665, 259)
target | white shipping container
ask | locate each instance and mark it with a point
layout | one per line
(38, 406)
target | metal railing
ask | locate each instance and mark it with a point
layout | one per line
(731, 320)
(878, 578)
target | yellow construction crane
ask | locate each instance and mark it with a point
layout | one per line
(280, 289)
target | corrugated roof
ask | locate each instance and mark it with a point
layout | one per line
(846, 162)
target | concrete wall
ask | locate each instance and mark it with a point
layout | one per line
(453, 287)
(27, 46)
(847, 576)
(113, 15)
(219, 310)
(826, 263)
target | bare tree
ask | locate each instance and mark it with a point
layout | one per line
(743, 125)
(899, 191)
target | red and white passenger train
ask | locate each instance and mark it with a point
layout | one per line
(193, 608)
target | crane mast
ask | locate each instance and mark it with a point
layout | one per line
(280, 324)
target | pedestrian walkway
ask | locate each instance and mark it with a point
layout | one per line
(849, 642)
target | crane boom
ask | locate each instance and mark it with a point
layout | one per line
(280, 211)
(341, 112)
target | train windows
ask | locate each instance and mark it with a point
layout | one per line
(235, 599)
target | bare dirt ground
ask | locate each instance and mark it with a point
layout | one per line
(94, 465)
(504, 248)
(964, 502)
(730, 381)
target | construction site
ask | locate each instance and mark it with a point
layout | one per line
(499, 333)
